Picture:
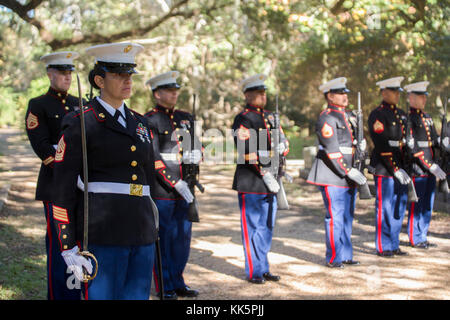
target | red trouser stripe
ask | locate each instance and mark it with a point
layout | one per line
(380, 214)
(411, 219)
(50, 249)
(330, 211)
(246, 239)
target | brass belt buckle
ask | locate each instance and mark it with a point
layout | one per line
(136, 189)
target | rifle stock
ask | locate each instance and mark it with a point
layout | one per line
(280, 172)
(444, 155)
(360, 158)
(191, 173)
(409, 159)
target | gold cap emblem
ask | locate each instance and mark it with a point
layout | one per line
(127, 48)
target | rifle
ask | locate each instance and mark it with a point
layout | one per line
(85, 253)
(361, 155)
(191, 173)
(280, 170)
(158, 250)
(444, 155)
(409, 158)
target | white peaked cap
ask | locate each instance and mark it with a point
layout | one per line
(391, 83)
(164, 80)
(60, 58)
(115, 52)
(254, 82)
(336, 85)
(417, 87)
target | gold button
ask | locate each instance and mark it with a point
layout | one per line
(101, 115)
(65, 236)
(173, 181)
(166, 132)
(63, 101)
(171, 117)
(134, 177)
(57, 116)
(134, 163)
(133, 148)
(65, 247)
(164, 171)
(168, 177)
(67, 108)
(393, 123)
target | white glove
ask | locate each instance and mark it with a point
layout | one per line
(76, 262)
(445, 142)
(437, 171)
(356, 176)
(362, 145)
(281, 148)
(271, 182)
(410, 143)
(192, 157)
(183, 189)
(402, 176)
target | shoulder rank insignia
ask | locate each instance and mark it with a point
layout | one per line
(32, 121)
(61, 150)
(378, 126)
(327, 131)
(243, 133)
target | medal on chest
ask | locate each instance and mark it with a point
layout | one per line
(142, 133)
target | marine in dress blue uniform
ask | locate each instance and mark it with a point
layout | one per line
(254, 178)
(121, 176)
(425, 169)
(170, 130)
(387, 125)
(43, 124)
(332, 172)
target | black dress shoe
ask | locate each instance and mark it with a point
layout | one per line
(257, 280)
(335, 265)
(387, 253)
(421, 245)
(170, 295)
(186, 292)
(351, 262)
(271, 277)
(399, 252)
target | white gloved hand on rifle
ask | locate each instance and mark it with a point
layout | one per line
(362, 145)
(438, 172)
(192, 157)
(270, 182)
(356, 176)
(75, 262)
(183, 189)
(281, 148)
(402, 176)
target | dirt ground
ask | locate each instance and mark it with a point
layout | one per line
(216, 264)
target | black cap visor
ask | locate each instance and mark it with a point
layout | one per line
(262, 87)
(62, 67)
(339, 90)
(114, 67)
(420, 92)
(395, 89)
(173, 85)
